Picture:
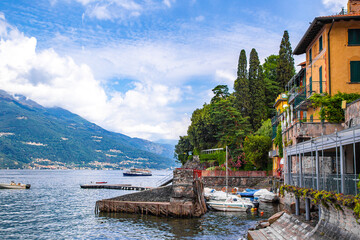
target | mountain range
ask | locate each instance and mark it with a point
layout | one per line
(33, 136)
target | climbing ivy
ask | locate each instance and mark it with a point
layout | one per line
(338, 200)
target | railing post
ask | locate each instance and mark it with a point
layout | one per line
(342, 169)
(297, 206)
(307, 208)
(354, 149)
(300, 171)
(317, 169)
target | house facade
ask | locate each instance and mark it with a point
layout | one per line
(320, 154)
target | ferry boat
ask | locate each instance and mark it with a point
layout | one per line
(13, 185)
(137, 172)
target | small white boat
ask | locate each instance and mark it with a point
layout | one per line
(266, 196)
(231, 204)
(13, 185)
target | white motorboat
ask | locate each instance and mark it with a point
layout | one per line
(231, 204)
(266, 196)
(14, 185)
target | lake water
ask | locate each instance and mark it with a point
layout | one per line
(55, 207)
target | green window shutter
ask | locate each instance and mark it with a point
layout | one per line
(310, 85)
(311, 118)
(354, 36)
(355, 71)
(320, 80)
(320, 43)
(310, 55)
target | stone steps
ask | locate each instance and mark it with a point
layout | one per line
(285, 228)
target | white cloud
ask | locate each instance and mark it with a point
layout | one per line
(200, 18)
(121, 9)
(168, 2)
(335, 5)
(54, 80)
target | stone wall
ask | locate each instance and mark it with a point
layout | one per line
(162, 194)
(352, 114)
(336, 224)
(182, 185)
(239, 182)
(333, 223)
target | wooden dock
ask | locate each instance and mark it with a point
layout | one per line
(115, 186)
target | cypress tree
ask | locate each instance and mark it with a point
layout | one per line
(241, 86)
(257, 91)
(285, 68)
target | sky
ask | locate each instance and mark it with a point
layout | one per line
(140, 67)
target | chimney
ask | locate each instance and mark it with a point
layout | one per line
(354, 7)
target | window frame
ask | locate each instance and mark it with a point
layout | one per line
(321, 47)
(351, 72)
(355, 43)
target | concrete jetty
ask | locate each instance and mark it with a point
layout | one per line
(184, 198)
(115, 186)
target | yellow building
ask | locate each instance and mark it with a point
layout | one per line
(281, 105)
(332, 47)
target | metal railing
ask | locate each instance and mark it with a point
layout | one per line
(327, 182)
(166, 180)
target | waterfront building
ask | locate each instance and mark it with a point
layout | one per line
(320, 154)
(281, 106)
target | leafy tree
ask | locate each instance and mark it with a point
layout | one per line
(285, 65)
(265, 129)
(272, 86)
(231, 126)
(182, 149)
(331, 105)
(256, 150)
(278, 140)
(257, 91)
(220, 92)
(202, 131)
(241, 86)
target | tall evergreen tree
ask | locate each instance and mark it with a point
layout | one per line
(272, 87)
(285, 67)
(241, 86)
(257, 105)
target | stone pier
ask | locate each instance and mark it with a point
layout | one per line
(184, 198)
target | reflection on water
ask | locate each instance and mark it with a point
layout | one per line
(57, 208)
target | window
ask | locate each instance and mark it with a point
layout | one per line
(320, 80)
(354, 37)
(311, 118)
(355, 71)
(310, 55)
(320, 43)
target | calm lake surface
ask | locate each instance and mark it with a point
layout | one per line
(55, 207)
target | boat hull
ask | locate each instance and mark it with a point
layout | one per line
(228, 207)
(11, 186)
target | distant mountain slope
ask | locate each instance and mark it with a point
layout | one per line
(32, 136)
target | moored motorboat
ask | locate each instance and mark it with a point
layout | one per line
(231, 204)
(266, 196)
(133, 172)
(14, 185)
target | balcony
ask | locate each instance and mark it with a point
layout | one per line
(302, 131)
(274, 153)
